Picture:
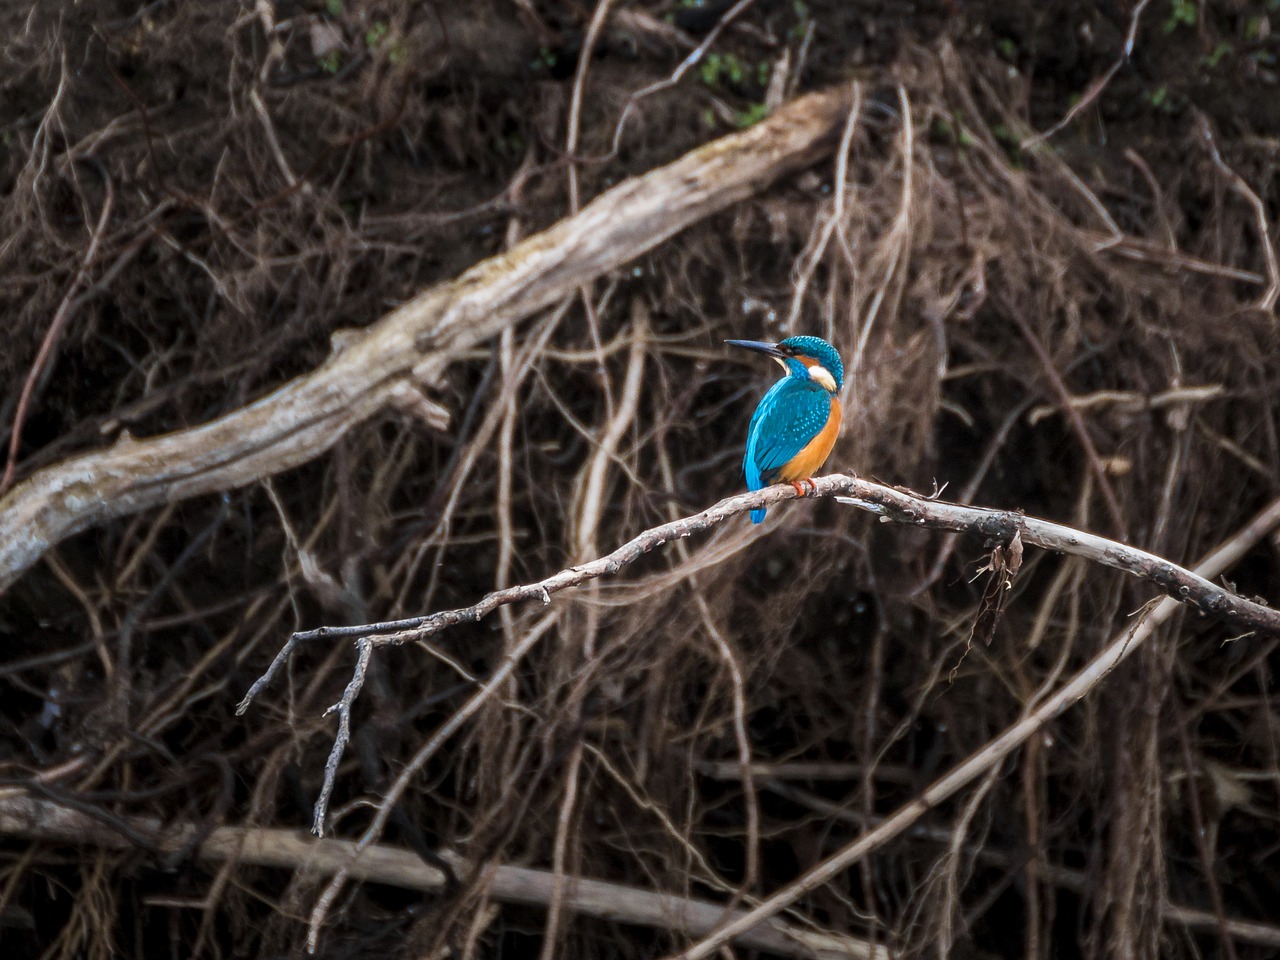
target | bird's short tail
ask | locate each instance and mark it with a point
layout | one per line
(757, 515)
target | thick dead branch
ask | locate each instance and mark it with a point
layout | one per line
(411, 346)
(25, 816)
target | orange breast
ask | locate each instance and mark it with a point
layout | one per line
(814, 453)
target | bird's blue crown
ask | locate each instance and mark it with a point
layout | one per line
(815, 348)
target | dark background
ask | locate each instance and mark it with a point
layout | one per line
(269, 188)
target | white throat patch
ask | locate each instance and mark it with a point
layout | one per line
(820, 374)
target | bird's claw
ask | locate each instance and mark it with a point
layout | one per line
(799, 486)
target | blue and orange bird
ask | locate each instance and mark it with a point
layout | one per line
(795, 426)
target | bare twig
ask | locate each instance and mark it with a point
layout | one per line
(575, 200)
(1202, 841)
(712, 36)
(898, 241)
(894, 504)
(1272, 294)
(343, 709)
(591, 498)
(1130, 402)
(1095, 89)
(835, 217)
(1174, 914)
(66, 309)
(1144, 251)
(268, 128)
(1072, 413)
(575, 98)
(428, 750)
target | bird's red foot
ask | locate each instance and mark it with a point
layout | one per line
(799, 486)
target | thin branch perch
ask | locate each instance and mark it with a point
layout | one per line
(891, 503)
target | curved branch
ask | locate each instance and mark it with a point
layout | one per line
(892, 504)
(410, 347)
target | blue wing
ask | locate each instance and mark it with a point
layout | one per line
(791, 414)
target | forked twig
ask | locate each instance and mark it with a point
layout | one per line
(730, 15)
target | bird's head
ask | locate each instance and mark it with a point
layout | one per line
(809, 358)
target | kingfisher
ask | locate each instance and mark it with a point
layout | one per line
(796, 424)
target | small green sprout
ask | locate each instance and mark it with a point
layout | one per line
(375, 34)
(1182, 13)
(750, 116)
(1221, 50)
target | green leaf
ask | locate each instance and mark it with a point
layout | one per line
(1181, 13)
(1221, 50)
(710, 68)
(750, 116)
(374, 35)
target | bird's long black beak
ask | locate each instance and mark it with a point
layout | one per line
(759, 345)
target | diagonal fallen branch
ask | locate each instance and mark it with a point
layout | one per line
(38, 819)
(1173, 914)
(891, 503)
(409, 349)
